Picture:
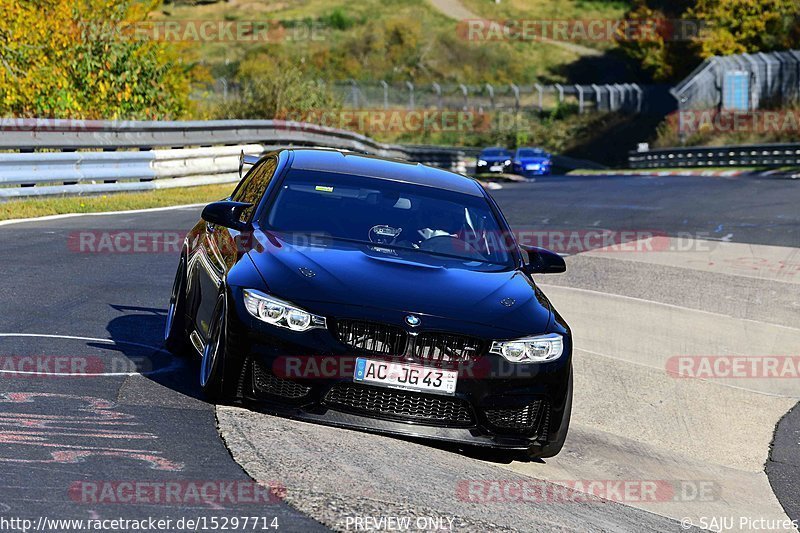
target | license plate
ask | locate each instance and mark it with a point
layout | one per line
(405, 376)
(532, 167)
(496, 168)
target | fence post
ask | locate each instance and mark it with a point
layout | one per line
(560, 89)
(623, 96)
(598, 96)
(541, 100)
(466, 98)
(354, 93)
(410, 94)
(580, 98)
(516, 96)
(224, 83)
(438, 89)
(639, 97)
(491, 94)
(385, 94)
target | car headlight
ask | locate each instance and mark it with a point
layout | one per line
(530, 349)
(507, 162)
(481, 163)
(280, 313)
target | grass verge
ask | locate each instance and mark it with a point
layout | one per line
(39, 207)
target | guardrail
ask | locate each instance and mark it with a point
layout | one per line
(55, 157)
(766, 155)
(152, 155)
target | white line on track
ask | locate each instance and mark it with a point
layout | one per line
(104, 213)
(674, 306)
(169, 368)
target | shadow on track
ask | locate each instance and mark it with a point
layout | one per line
(145, 325)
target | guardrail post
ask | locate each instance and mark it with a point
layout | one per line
(491, 94)
(465, 92)
(410, 94)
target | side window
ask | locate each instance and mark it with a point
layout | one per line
(252, 187)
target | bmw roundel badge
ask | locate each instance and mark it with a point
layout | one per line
(412, 320)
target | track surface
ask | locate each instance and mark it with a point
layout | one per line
(169, 434)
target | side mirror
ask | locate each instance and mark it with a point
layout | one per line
(543, 261)
(226, 214)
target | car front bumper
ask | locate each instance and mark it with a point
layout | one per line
(496, 404)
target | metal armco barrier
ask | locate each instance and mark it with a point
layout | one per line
(766, 155)
(192, 153)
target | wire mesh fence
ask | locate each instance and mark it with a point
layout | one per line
(626, 98)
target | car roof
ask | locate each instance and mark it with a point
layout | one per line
(335, 161)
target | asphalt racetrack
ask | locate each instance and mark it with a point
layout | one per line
(665, 275)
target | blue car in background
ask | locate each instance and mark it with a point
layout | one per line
(493, 160)
(532, 162)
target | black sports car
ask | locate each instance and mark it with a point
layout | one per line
(493, 160)
(374, 294)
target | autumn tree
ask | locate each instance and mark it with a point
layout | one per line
(697, 29)
(86, 59)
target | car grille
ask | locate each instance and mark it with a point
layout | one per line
(446, 348)
(371, 337)
(533, 418)
(267, 383)
(397, 404)
(429, 347)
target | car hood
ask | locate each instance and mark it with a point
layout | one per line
(533, 160)
(353, 276)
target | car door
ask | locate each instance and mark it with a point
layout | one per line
(220, 248)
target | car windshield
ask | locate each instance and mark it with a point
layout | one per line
(531, 152)
(456, 228)
(495, 152)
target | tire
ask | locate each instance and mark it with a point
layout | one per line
(175, 338)
(552, 449)
(221, 366)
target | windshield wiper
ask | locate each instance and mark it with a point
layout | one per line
(396, 247)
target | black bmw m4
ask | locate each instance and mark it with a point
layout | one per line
(368, 293)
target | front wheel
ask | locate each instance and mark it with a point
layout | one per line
(221, 366)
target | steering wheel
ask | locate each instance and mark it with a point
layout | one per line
(447, 244)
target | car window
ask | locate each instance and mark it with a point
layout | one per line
(252, 187)
(385, 212)
(495, 153)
